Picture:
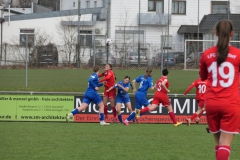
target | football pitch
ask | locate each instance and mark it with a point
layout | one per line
(75, 80)
(90, 141)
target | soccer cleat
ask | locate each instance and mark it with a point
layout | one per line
(125, 123)
(188, 121)
(207, 129)
(177, 124)
(197, 120)
(137, 114)
(103, 123)
(68, 117)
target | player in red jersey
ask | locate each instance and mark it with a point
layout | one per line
(201, 87)
(160, 96)
(109, 79)
(220, 66)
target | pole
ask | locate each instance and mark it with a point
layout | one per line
(107, 44)
(26, 54)
(1, 34)
(139, 11)
(168, 29)
(78, 46)
(198, 30)
(228, 10)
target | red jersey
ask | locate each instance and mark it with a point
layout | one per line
(223, 80)
(159, 85)
(200, 86)
(109, 77)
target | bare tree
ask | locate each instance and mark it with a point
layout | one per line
(25, 3)
(68, 34)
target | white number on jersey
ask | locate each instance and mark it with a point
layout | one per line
(228, 78)
(202, 88)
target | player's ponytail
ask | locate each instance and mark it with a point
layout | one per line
(129, 81)
(148, 73)
(224, 30)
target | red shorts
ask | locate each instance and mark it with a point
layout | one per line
(110, 94)
(223, 117)
(161, 98)
(200, 103)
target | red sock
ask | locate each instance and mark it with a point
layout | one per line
(105, 110)
(172, 115)
(223, 153)
(144, 110)
(216, 151)
(193, 116)
(114, 112)
(200, 114)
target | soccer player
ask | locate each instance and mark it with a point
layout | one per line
(201, 87)
(146, 82)
(122, 96)
(160, 96)
(220, 66)
(109, 79)
(91, 94)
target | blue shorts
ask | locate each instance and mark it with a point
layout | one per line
(141, 100)
(122, 99)
(92, 97)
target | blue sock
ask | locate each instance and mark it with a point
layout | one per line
(120, 118)
(131, 116)
(75, 111)
(101, 116)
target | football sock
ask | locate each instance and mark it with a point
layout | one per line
(193, 116)
(101, 116)
(120, 118)
(200, 114)
(172, 115)
(216, 150)
(131, 116)
(223, 153)
(75, 111)
(114, 111)
(106, 110)
(144, 110)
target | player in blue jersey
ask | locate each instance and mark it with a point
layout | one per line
(122, 96)
(145, 82)
(91, 94)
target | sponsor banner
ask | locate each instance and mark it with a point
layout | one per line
(183, 107)
(144, 119)
(35, 107)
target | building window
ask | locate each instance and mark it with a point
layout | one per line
(219, 7)
(73, 4)
(155, 6)
(95, 4)
(85, 38)
(24, 33)
(87, 4)
(179, 7)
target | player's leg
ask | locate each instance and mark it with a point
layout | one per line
(101, 114)
(133, 114)
(105, 101)
(118, 106)
(172, 115)
(129, 106)
(112, 97)
(83, 106)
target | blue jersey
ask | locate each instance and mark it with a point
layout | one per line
(93, 82)
(121, 92)
(144, 83)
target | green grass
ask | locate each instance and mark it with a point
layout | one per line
(75, 80)
(42, 140)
